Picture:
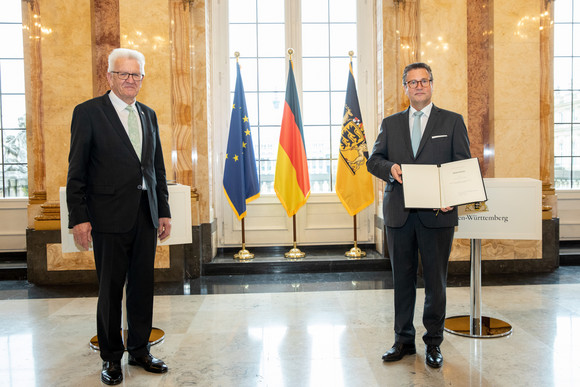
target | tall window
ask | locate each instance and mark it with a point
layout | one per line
(328, 34)
(567, 94)
(13, 167)
(257, 30)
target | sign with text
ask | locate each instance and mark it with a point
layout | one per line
(513, 210)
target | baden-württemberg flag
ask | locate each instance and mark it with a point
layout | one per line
(241, 183)
(292, 182)
(354, 185)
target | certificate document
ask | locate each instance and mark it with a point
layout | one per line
(445, 185)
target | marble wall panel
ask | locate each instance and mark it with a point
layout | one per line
(527, 249)
(517, 151)
(517, 89)
(517, 21)
(56, 260)
(66, 23)
(443, 45)
(460, 250)
(57, 153)
(450, 80)
(517, 80)
(443, 18)
(67, 80)
(497, 249)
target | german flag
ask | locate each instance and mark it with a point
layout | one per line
(292, 182)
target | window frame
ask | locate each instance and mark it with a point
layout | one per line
(570, 124)
(273, 220)
(20, 131)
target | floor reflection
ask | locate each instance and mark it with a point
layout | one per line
(326, 364)
(295, 332)
(270, 367)
(17, 360)
(566, 365)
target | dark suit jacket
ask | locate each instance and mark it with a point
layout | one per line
(105, 175)
(444, 140)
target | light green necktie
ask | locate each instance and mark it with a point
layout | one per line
(416, 133)
(133, 125)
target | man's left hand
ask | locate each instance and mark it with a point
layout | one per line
(164, 228)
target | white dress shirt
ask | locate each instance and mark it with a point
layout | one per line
(120, 107)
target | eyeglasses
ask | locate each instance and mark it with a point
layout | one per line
(413, 84)
(125, 76)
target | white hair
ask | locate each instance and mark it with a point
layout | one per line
(126, 53)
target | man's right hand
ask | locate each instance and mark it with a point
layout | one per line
(82, 234)
(397, 173)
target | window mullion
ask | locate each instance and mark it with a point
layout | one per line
(293, 21)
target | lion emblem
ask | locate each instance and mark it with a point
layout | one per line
(353, 145)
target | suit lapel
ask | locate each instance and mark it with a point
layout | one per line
(407, 131)
(115, 122)
(145, 132)
(431, 123)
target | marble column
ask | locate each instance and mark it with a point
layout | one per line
(106, 36)
(32, 33)
(408, 29)
(181, 93)
(480, 84)
(202, 155)
(547, 110)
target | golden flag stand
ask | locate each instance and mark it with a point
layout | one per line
(243, 254)
(355, 252)
(294, 252)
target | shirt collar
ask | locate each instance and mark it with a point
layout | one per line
(426, 110)
(118, 103)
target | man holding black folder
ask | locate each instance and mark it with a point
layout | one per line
(421, 134)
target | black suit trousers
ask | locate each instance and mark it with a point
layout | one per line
(434, 245)
(119, 258)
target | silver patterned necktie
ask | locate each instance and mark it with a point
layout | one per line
(133, 125)
(416, 134)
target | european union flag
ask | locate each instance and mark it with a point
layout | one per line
(241, 183)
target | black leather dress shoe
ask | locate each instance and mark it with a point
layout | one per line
(433, 356)
(112, 373)
(149, 363)
(398, 351)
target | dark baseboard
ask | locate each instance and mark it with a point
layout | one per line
(13, 266)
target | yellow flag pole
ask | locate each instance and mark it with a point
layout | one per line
(294, 253)
(243, 254)
(355, 252)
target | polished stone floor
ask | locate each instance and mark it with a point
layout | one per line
(298, 330)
